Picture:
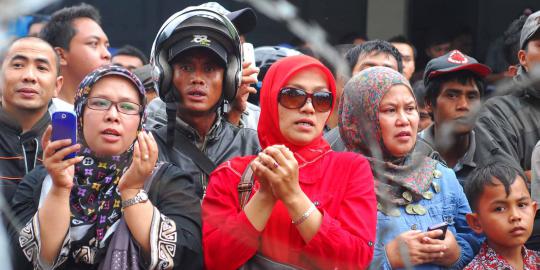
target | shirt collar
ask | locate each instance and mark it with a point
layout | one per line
(467, 159)
(489, 256)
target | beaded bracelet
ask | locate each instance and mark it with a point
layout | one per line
(305, 216)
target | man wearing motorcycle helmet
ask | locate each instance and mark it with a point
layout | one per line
(197, 68)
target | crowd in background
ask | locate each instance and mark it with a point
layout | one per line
(191, 157)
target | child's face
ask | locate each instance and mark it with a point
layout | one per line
(506, 221)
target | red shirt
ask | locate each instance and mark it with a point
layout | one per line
(488, 258)
(342, 184)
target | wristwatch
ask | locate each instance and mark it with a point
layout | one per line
(141, 197)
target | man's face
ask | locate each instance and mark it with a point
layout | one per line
(198, 78)
(127, 61)
(30, 76)
(374, 59)
(407, 56)
(88, 49)
(530, 57)
(425, 118)
(506, 220)
(457, 106)
(438, 50)
(35, 28)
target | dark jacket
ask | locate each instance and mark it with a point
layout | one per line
(509, 125)
(508, 129)
(223, 142)
(172, 194)
(19, 152)
(334, 140)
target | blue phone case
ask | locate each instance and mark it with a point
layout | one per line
(64, 126)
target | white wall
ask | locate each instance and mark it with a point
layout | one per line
(386, 18)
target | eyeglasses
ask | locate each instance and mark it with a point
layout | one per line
(103, 104)
(295, 98)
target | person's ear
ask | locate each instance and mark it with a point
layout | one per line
(474, 223)
(522, 57)
(62, 54)
(535, 206)
(58, 86)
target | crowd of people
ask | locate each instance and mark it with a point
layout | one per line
(191, 157)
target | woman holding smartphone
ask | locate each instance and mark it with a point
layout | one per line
(309, 207)
(379, 118)
(71, 208)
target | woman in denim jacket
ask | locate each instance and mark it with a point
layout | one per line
(379, 118)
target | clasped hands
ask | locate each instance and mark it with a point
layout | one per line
(276, 170)
(424, 247)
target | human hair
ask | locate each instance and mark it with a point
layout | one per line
(350, 37)
(37, 39)
(404, 40)
(59, 30)
(375, 46)
(433, 88)
(420, 93)
(37, 18)
(511, 40)
(488, 175)
(132, 51)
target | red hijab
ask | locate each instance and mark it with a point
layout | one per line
(277, 77)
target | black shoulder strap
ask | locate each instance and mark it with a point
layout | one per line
(202, 161)
(184, 145)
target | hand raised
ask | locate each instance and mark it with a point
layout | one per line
(281, 171)
(60, 170)
(145, 155)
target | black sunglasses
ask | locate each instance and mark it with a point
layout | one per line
(295, 98)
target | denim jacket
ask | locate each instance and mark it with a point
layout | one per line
(450, 205)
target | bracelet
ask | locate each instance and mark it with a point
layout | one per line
(305, 216)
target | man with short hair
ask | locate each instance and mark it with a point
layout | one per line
(30, 75)
(509, 125)
(197, 72)
(408, 54)
(374, 53)
(368, 54)
(454, 87)
(77, 37)
(129, 57)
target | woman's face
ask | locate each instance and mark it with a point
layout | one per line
(109, 132)
(303, 125)
(398, 118)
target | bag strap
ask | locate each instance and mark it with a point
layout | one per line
(183, 143)
(197, 156)
(245, 187)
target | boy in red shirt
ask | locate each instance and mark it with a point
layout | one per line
(504, 211)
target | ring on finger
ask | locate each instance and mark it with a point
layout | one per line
(145, 157)
(276, 165)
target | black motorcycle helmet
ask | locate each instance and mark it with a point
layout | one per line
(265, 56)
(196, 27)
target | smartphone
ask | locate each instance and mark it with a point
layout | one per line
(441, 226)
(64, 126)
(248, 55)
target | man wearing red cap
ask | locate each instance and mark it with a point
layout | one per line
(454, 86)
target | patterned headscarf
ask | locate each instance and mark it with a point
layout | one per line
(361, 132)
(94, 197)
(277, 77)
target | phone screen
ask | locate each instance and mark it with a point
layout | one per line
(64, 126)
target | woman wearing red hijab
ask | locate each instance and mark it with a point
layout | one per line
(310, 207)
